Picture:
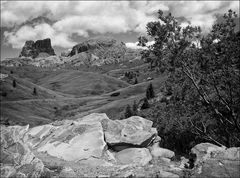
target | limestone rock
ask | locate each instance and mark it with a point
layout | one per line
(134, 130)
(139, 156)
(70, 142)
(157, 151)
(214, 161)
(204, 151)
(16, 158)
(67, 172)
(33, 49)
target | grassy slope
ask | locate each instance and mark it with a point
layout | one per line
(46, 108)
(81, 84)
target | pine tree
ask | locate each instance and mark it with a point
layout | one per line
(150, 92)
(14, 83)
(136, 81)
(145, 104)
(135, 108)
(128, 112)
(34, 91)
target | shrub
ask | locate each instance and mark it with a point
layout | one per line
(128, 112)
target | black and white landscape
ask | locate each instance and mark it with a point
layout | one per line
(120, 89)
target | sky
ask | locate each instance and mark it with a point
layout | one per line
(67, 23)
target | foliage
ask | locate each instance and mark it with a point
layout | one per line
(203, 81)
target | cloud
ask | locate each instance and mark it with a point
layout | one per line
(41, 31)
(135, 45)
(98, 17)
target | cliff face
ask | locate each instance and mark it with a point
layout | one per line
(33, 49)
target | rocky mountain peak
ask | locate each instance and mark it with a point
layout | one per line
(32, 49)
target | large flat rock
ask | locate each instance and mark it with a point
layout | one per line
(72, 141)
(134, 130)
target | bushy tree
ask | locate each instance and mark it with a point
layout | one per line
(150, 92)
(203, 76)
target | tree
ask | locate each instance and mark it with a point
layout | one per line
(145, 104)
(150, 92)
(204, 78)
(34, 91)
(135, 108)
(128, 112)
(136, 81)
(142, 41)
(14, 83)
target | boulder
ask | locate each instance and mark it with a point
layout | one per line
(134, 130)
(204, 151)
(139, 156)
(67, 172)
(214, 161)
(16, 158)
(85, 139)
(33, 49)
(157, 151)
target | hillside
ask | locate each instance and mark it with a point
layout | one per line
(81, 84)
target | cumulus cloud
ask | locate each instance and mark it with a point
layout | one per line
(135, 45)
(98, 17)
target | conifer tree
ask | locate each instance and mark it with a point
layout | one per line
(150, 92)
(34, 91)
(14, 83)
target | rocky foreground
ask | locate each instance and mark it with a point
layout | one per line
(97, 146)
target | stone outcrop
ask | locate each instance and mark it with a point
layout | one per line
(16, 158)
(94, 146)
(134, 130)
(99, 51)
(33, 49)
(215, 161)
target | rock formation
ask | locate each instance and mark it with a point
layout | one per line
(83, 148)
(33, 49)
(101, 50)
